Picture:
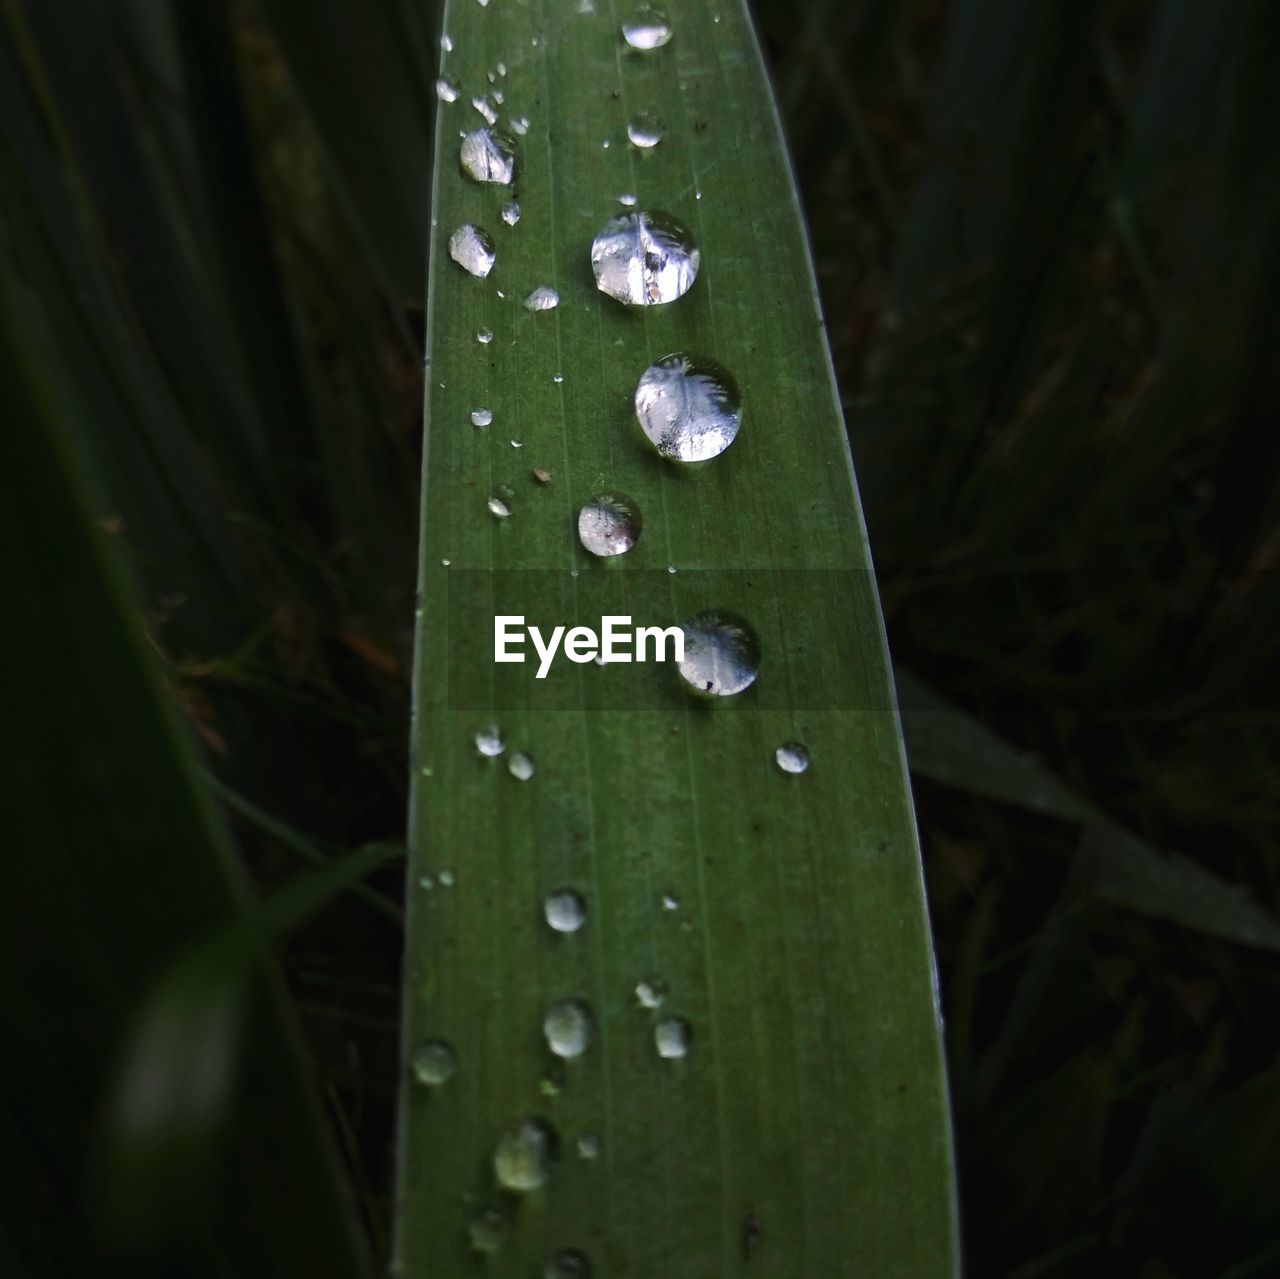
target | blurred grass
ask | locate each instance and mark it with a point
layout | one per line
(1046, 240)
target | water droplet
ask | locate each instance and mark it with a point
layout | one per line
(446, 878)
(670, 901)
(520, 766)
(520, 125)
(609, 524)
(488, 1230)
(568, 1263)
(511, 213)
(721, 654)
(481, 417)
(502, 66)
(488, 155)
(446, 563)
(567, 1027)
(484, 336)
(564, 910)
(517, 444)
(543, 298)
(500, 504)
(489, 741)
(647, 28)
(651, 992)
(792, 757)
(525, 1154)
(605, 144)
(627, 199)
(434, 1063)
(490, 117)
(557, 378)
(498, 97)
(644, 258)
(672, 1037)
(426, 882)
(446, 42)
(472, 249)
(688, 407)
(590, 1146)
(446, 90)
(645, 131)
(543, 477)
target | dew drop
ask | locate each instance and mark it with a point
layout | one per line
(500, 505)
(645, 131)
(481, 417)
(644, 258)
(446, 42)
(721, 654)
(672, 1037)
(647, 28)
(447, 879)
(543, 298)
(627, 200)
(502, 66)
(564, 910)
(488, 155)
(498, 97)
(489, 741)
(426, 882)
(446, 90)
(568, 1263)
(434, 1063)
(557, 378)
(520, 125)
(651, 992)
(590, 1146)
(568, 1027)
(689, 407)
(792, 757)
(517, 444)
(609, 524)
(543, 477)
(472, 249)
(484, 336)
(670, 901)
(490, 117)
(511, 213)
(488, 1230)
(520, 766)
(671, 568)
(525, 1154)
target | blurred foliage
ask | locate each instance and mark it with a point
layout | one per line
(1047, 239)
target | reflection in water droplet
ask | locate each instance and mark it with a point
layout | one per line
(446, 90)
(488, 155)
(511, 213)
(490, 117)
(484, 336)
(488, 1229)
(543, 298)
(481, 417)
(651, 992)
(792, 757)
(568, 1263)
(525, 1154)
(520, 766)
(472, 249)
(500, 503)
(567, 1027)
(644, 258)
(564, 910)
(721, 654)
(672, 1037)
(590, 1146)
(434, 1062)
(609, 524)
(689, 407)
(520, 125)
(647, 28)
(645, 131)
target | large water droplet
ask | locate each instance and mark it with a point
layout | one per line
(721, 654)
(489, 741)
(567, 1027)
(651, 992)
(609, 524)
(488, 155)
(490, 117)
(434, 1062)
(688, 407)
(472, 249)
(645, 131)
(644, 258)
(446, 90)
(647, 28)
(543, 298)
(568, 1263)
(564, 910)
(488, 1229)
(481, 417)
(792, 757)
(511, 213)
(500, 503)
(484, 336)
(520, 766)
(672, 1037)
(525, 1154)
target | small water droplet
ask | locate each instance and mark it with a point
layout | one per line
(721, 654)
(484, 336)
(590, 1146)
(511, 213)
(543, 477)
(446, 90)
(434, 1063)
(426, 882)
(520, 766)
(564, 910)
(645, 131)
(671, 568)
(472, 249)
(502, 66)
(446, 878)
(543, 298)
(446, 563)
(647, 28)
(490, 117)
(488, 1230)
(651, 992)
(670, 901)
(489, 741)
(446, 42)
(517, 444)
(609, 524)
(557, 378)
(525, 1154)
(644, 258)
(488, 155)
(520, 125)
(672, 1037)
(500, 502)
(481, 417)
(689, 407)
(568, 1263)
(792, 757)
(605, 144)
(627, 199)
(484, 4)
(498, 96)
(568, 1027)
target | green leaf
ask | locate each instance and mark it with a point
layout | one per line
(806, 1131)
